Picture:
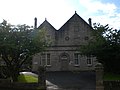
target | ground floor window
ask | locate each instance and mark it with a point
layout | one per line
(45, 59)
(89, 60)
(48, 59)
(76, 59)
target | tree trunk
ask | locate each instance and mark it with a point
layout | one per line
(14, 76)
(13, 73)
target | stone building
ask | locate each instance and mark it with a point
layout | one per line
(64, 52)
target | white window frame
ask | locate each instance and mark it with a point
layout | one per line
(89, 60)
(44, 59)
(77, 58)
(48, 58)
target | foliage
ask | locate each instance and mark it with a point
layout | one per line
(111, 77)
(17, 46)
(105, 45)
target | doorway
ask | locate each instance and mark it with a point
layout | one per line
(64, 59)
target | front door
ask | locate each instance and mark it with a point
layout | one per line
(64, 62)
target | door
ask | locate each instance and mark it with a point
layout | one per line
(64, 62)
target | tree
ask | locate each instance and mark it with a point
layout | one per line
(105, 45)
(16, 45)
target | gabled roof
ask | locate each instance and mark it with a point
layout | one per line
(46, 24)
(75, 17)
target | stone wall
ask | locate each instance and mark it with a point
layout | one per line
(99, 76)
(68, 39)
(56, 62)
(6, 84)
(112, 85)
(18, 85)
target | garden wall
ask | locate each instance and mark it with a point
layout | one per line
(105, 85)
(6, 84)
(21, 86)
(112, 85)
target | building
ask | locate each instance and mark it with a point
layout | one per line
(64, 53)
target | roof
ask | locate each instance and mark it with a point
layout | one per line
(46, 23)
(75, 17)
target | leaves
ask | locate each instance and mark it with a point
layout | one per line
(105, 46)
(17, 45)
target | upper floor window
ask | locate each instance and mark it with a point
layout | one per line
(86, 38)
(76, 29)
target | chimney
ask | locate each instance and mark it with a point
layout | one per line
(90, 22)
(35, 23)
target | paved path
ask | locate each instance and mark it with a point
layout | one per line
(70, 81)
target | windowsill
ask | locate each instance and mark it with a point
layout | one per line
(48, 65)
(76, 65)
(89, 65)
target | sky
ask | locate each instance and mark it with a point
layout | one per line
(57, 12)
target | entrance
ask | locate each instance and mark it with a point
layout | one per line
(64, 59)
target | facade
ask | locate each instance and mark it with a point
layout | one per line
(64, 52)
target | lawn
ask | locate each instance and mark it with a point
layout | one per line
(111, 77)
(25, 81)
(27, 78)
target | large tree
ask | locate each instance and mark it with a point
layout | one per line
(105, 45)
(17, 44)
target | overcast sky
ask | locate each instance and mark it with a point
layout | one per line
(58, 12)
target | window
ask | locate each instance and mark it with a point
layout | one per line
(76, 28)
(45, 59)
(48, 59)
(89, 60)
(76, 59)
(48, 38)
(86, 38)
(67, 38)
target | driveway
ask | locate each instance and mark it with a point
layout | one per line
(70, 80)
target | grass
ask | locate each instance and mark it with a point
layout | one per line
(27, 78)
(22, 78)
(111, 77)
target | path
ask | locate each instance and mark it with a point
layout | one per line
(70, 81)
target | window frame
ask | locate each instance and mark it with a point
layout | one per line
(77, 58)
(89, 60)
(44, 61)
(48, 58)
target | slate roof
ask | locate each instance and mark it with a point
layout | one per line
(46, 23)
(75, 17)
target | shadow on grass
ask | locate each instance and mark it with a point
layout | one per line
(111, 77)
